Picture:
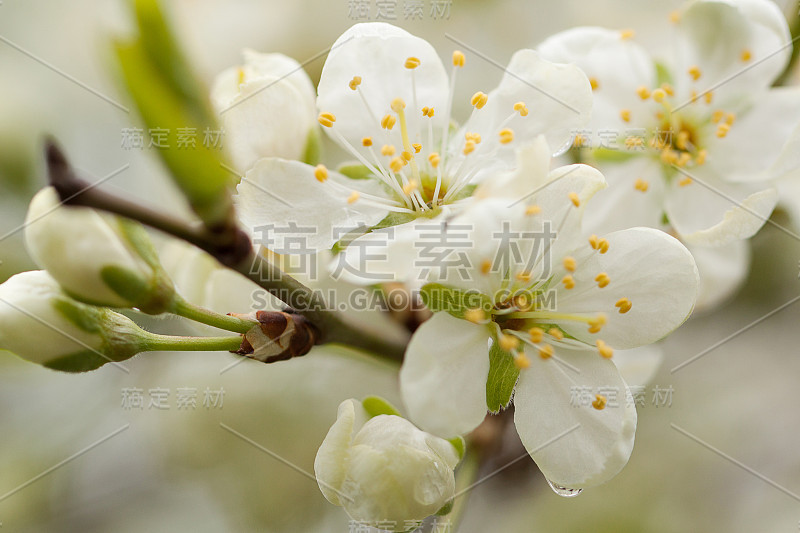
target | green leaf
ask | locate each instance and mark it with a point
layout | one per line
(170, 98)
(355, 172)
(375, 405)
(438, 297)
(503, 374)
(460, 445)
(446, 509)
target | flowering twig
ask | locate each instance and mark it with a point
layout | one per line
(231, 247)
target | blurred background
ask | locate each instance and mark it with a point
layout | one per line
(78, 453)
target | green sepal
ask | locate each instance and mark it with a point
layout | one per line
(83, 361)
(355, 172)
(607, 155)
(446, 509)
(460, 445)
(139, 240)
(126, 283)
(375, 405)
(86, 318)
(313, 150)
(438, 297)
(503, 375)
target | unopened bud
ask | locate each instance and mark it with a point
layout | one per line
(278, 336)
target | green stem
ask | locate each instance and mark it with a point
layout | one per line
(155, 342)
(205, 316)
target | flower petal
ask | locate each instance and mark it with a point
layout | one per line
(377, 52)
(764, 142)
(267, 108)
(276, 193)
(545, 415)
(617, 67)
(558, 97)
(443, 378)
(716, 34)
(330, 464)
(638, 366)
(648, 267)
(713, 212)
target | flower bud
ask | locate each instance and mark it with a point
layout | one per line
(97, 258)
(267, 108)
(383, 470)
(40, 323)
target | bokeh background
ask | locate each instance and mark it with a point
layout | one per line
(75, 457)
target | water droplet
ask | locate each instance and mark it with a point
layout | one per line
(566, 492)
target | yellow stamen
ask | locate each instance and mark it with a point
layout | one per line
(568, 281)
(326, 119)
(533, 210)
(524, 275)
(746, 55)
(668, 89)
(427, 112)
(366, 141)
(458, 58)
(599, 402)
(659, 95)
(708, 97)
(388, 121)
(406, 155)
(486, 266)
(626, 34)
(717, 115)
(594, 241)
(469, 147)
(602, 246)
(602, 280)
(476, 316)
(521, 108)
(321, 173)
(641, 185)
(398, 104)
(685, 181)
(397, 164)
(695, 72)
(412, 63)
(417, 147)
(434, 159)
(675, 16)
(596, 324)
(506, 135)
(730, 118)
(624, 305)
(479, 99)
(387, 150)
(682, 140)
(508, 342)
(570, 264)
(545, 351)
(355, 82)
(604, 349)
(723, 129)
(475, 137)
(410, 187)
(643, 92)
(701, 157)
(594, 83)
(625, 115)
(555, 333)
(580, 141)
(241, 75)
(521, 361)
(575, 199)
(537, 334)
(353, 198)
(632, 142)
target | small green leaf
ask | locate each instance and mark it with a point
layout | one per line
(438, 297)
(355, 172)
(503, 374)
(460, 445)
(375, 405)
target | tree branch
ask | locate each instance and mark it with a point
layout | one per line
(230, 246)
